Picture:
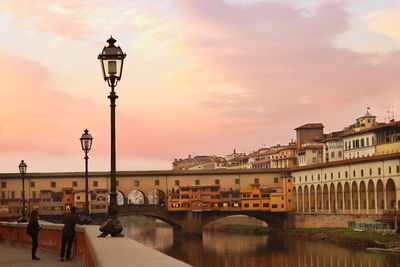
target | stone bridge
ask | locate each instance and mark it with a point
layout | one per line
(188, 223)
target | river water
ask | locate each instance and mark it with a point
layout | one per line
(218, 249)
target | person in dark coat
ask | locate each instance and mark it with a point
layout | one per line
(68, 233)
(33, 230)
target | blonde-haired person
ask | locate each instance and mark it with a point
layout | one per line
(33, 230)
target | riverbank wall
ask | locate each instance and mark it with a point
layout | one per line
(327, 220)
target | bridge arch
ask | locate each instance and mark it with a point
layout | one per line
(120, 198)
(136, 197)
(157, 197)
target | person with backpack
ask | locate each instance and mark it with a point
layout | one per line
(68, 233)
(33, 230)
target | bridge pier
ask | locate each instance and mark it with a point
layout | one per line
(193, 225)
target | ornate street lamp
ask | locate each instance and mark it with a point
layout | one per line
(22, 170)
(86, 143)
(112, 61)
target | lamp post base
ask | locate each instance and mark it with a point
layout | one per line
(85, 219)
(22, 219)
(111, 227)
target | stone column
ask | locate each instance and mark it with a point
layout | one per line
(376, 199)
(343, 203)
(359, 198)
(329, 200)
(351, 200)
(367, 199)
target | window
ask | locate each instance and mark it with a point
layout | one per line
(319, 177)
(346, 174)
(157, 182)
(136, 183)
(33, 194)
(325, 176)
(255, 205)
(305, 178)
(95, 184)
(314, 159)
(78, 197)
(331, 175)
(3, 194)
(265, 205)
(256, 180)
(12, 194)
(362, 142)
(3, 184)
(362, 173)
(256, 196)
(367, 141)
(246, 205)
(53, 184)
(312, 177)
(276, 180)
(379, 171)
(397, 168)
(354, 173)
(338, 175)
(370, 171)
(197, 182)
(216, 181)
(300, 179)
(237, 181)
(340, 154)
(390, 170)
(332, 154)
(32, 184)
(274, 206)
(74, 183)
(177, 182)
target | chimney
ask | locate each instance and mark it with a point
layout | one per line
(234, 151)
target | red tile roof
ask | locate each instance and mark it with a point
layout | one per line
(310, 126)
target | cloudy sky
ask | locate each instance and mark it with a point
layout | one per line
(201, 77)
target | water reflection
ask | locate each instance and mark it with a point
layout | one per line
(223, 249)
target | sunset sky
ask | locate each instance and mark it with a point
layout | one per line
(200, 76)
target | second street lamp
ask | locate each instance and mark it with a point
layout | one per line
(112, 61)
(86, 143)
(22, 170)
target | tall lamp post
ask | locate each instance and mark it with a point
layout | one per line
(86, 143)
(22, 170)
(112, 60)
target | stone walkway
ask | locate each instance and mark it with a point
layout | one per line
(13, 255)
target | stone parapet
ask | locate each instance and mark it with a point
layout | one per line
(94, 251)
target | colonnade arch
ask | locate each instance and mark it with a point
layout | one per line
(365, 197)
(371, 195)
(332, 197)
(339, 196)
(306, 199)
(312, 198)
(347, 197)
(319, 197)
(390, 194)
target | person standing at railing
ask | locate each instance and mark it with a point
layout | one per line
(68, 233)
(33, 230)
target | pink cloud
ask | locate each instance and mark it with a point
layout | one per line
(280, 57)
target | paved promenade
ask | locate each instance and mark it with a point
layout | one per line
(12, 255)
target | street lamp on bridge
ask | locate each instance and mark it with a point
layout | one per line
(86, 143)
(22, 170)
(112, 60)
